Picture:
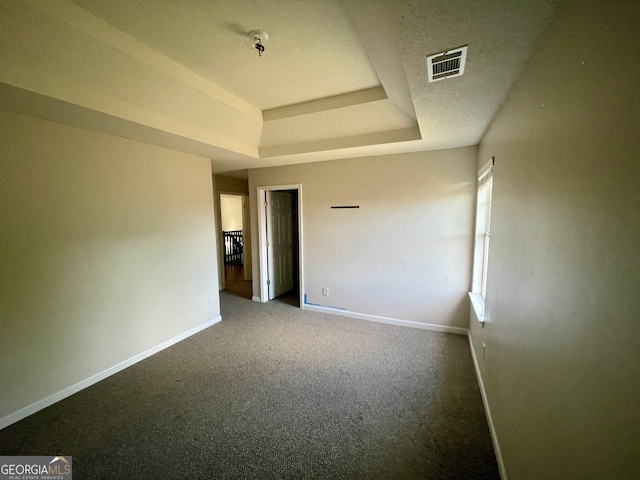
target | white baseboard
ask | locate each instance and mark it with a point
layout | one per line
(256, 299)
(392, 321)
(67, 392)
(485, 401)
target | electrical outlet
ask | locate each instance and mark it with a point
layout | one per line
(211, 301)
(325, 291)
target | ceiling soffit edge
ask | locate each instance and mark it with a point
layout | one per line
(323, 104)
(375, 138)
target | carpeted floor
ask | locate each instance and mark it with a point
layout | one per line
(276, 392)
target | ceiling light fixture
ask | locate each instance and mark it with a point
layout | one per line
(258, 38)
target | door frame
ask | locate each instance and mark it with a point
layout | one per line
(262, 240)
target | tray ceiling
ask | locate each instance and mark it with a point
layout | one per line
(339, 78)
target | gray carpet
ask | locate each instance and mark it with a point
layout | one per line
(276, 392)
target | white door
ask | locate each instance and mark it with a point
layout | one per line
(280, 243)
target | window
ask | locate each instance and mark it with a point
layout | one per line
(483, 230)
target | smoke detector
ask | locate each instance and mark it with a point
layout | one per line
(446, 64)
(257, 38)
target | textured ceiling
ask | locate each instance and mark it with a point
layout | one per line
(339, 78)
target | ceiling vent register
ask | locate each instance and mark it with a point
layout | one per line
(446, 64)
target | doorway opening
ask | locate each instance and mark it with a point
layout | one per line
(280, 240)
(233, 213)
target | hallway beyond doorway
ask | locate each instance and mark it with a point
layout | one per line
(235, 282)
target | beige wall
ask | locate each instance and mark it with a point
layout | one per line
(107, 249)
(224, 184)
(231, 212)
(405, 253)
(562, 363)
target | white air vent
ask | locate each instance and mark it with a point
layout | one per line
(446, 64)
